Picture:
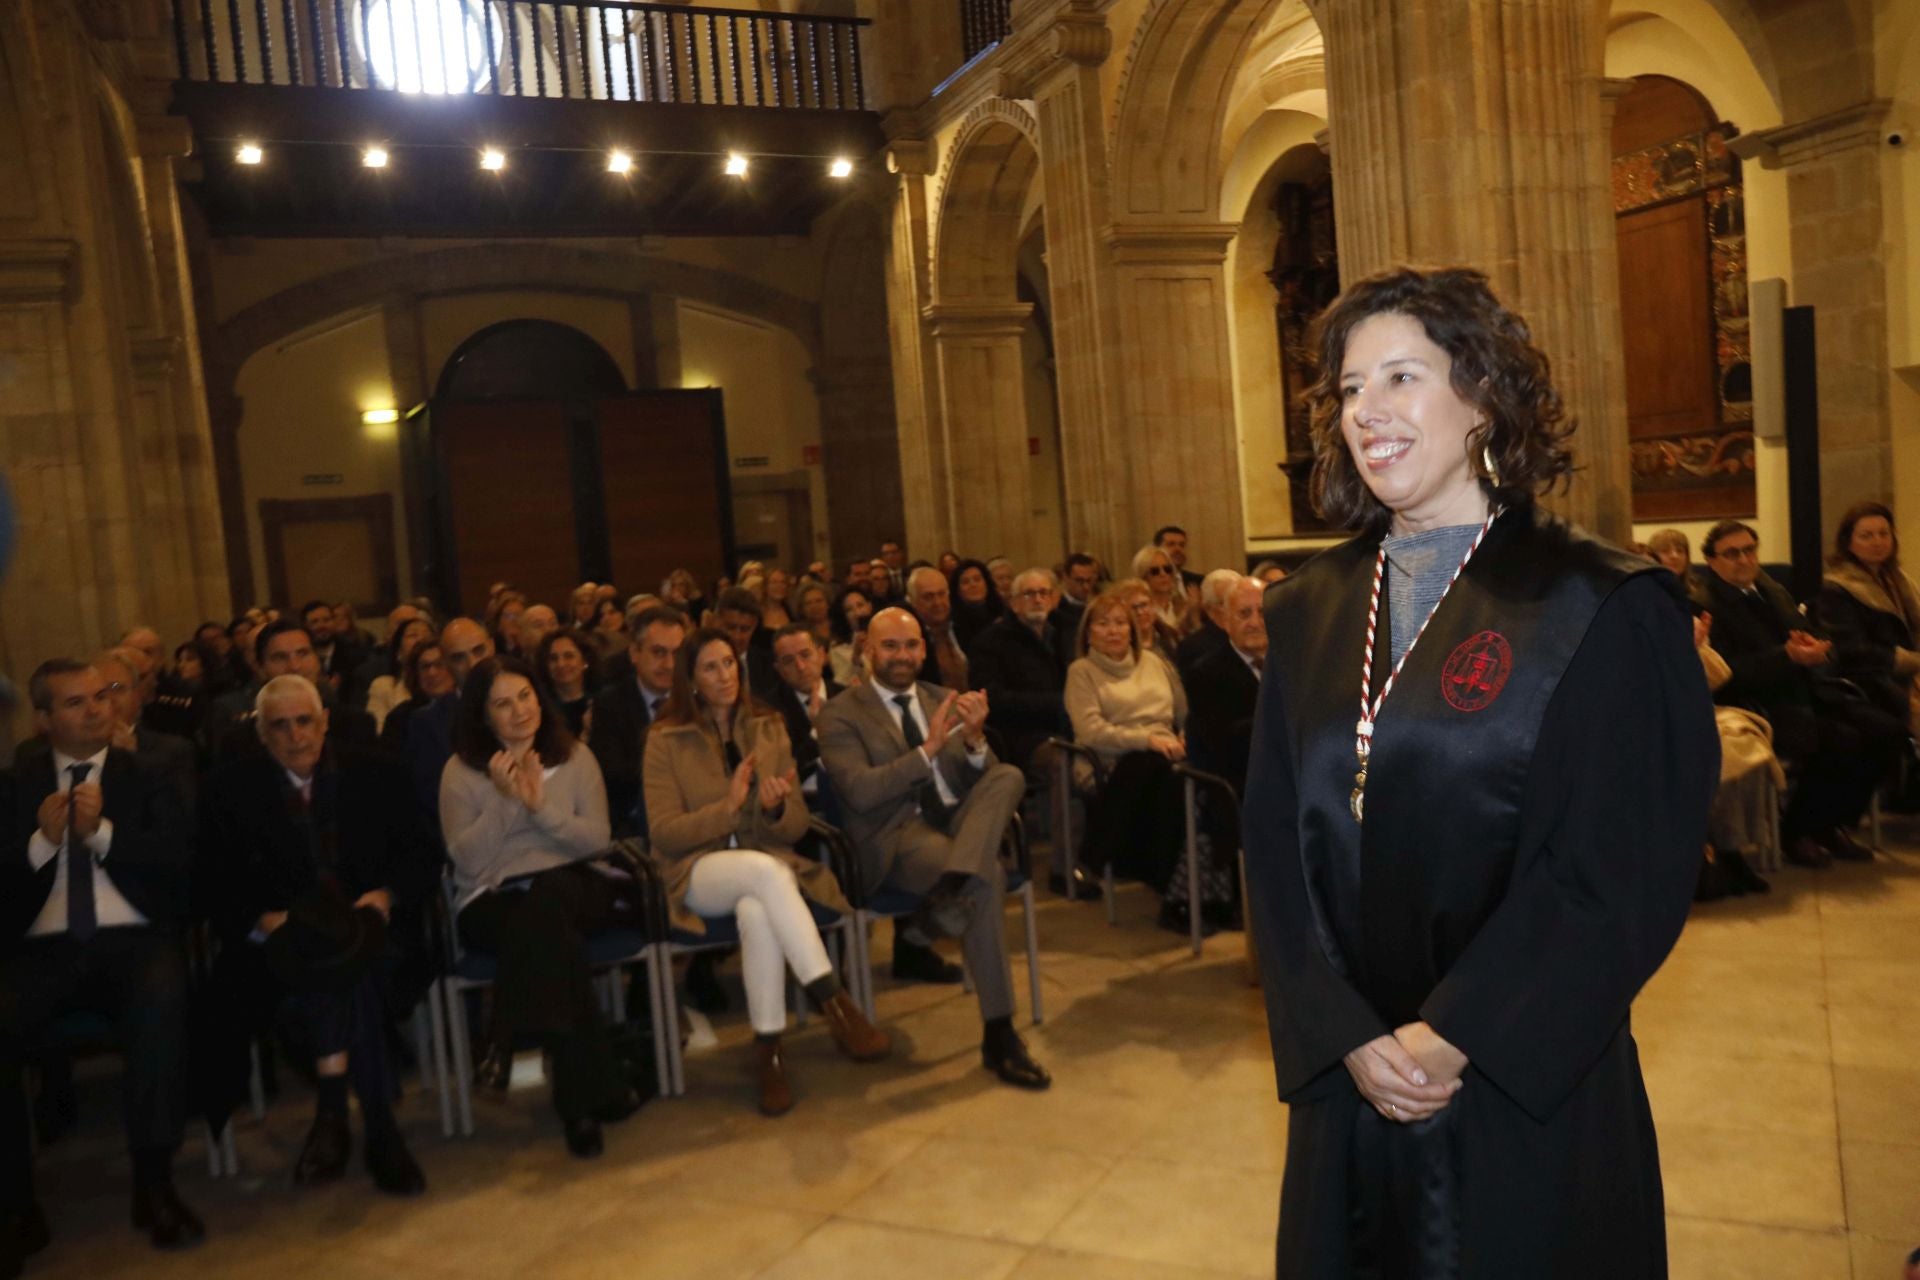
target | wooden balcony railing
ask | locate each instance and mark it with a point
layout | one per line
(983, 24)
(609, 50)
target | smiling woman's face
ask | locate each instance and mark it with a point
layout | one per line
(1406, 427)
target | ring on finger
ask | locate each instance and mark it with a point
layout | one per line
(1393, 1110)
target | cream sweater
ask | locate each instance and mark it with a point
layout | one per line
(491, 837)
(1116, 706)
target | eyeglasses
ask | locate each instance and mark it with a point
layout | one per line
(1749, 552)
(1033, 593)
(1158, 570)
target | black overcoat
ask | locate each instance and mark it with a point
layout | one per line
(1535, 809)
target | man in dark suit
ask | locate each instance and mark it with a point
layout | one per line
(1844, 747)
(1212, 635)
(624, 710)
(93, 893)
(284, 648)
(805, 687)
(1016, 660)
(931, 601)
(737, 613)
(926, 807)
(302, 827)
(1224, 686)
(1079, 585)
(1172, 539)
(464, 645)
(893, 559)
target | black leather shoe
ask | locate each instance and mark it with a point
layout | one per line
(159, 1211)
(915, 963)
(1009, 1059)
(704, 991)
(323, 1157)
(393, 1167)
(583, 1137)
(1807, 852)
(494, 1075)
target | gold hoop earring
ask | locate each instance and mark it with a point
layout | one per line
(1486, 460)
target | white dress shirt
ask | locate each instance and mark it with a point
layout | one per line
(110, 907)
(978, 759)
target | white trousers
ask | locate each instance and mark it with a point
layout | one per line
(776, 929)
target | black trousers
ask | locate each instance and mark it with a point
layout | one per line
(134, 977)
(1844, 752)
(545, 985)
(1138, 821)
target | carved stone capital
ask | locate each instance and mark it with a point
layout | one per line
(1860, 125)
(39, 270)
(1170, 243)
(153, 356)
(912, 157)
(978, 319)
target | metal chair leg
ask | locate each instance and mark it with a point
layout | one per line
(460, 1042)
(670, 1010)
(1193, 866)
(1873, 818)
(436, 1016)
(422, 1045)
(1033, 949)
(1107, 890)
(656, 963)
(256, 1089)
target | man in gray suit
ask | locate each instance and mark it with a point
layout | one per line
(926, 805)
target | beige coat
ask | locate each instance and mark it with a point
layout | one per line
(688, 812)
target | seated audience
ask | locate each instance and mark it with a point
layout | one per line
(1871, 609)
(385, 692)
(1211, 635)
(1153, 566)
(926, 808)
(737, 613)
(566, 667)
(625, 709)
(775, 587)
(1222, 688)
(464, 645)
(858, 574)
(525, 815)
(724, 813)
(1127, 704)
(425, 679)
(892, 564)
(309, 854)
(536, 624)
(813, 609)
(882, 585)
(1843, 743)
(931, 601)
(282, 648)
(975, 601)
(949, 561)
(1001, 570)
(93, 902)
(1674, 553)
(1747, 800)
(583, 606)
(1016, 662)
(1079, 584)
(1268, 572)
(609, 634)
(335, 654)
(503, 620)
(1172, 539)
(804, 690)
(377, 658)
(851, 609)
(1155, 635)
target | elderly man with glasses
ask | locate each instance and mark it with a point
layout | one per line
(1842, 744)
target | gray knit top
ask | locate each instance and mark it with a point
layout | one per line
(1419, 567)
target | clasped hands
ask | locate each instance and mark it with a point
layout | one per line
(520, 777)
(965, 712)
(81, 807)
(1807, 651)
(774, 788)
(1409, 1075)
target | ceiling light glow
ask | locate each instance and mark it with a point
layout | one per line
(736, 165)
(493, 160)
(374, 157)
(249, 153)
(842, 167)
(619, 162)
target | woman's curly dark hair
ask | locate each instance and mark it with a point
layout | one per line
(1496, 369)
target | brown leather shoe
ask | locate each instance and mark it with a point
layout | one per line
(1808, 852)
(776, 1096)
(857, 1038)
(1846, 848)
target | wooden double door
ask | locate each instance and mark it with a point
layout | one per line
(545, 494)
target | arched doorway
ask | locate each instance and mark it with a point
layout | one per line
(529, 360)
(1680, 219)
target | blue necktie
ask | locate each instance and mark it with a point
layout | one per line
(82, 921)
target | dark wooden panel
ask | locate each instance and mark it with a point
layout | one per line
(1666, 321)
(331, 549)
(664, 465)
(1656, 110)
(509, 483)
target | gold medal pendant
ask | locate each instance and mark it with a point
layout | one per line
(1358, 802)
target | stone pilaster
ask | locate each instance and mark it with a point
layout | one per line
(1173, 363)
(1834, 212)
(982, 383)
(859, 452)
(1472, 132)
(924, 486)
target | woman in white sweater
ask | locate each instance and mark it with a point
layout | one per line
(524, 810)
(1127, 704)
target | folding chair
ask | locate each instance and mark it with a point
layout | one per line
(1193, 782)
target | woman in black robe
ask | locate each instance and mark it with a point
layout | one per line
(1460, 880)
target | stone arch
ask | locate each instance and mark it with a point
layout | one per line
(475, 268)
(1174, 94)
(991, 168)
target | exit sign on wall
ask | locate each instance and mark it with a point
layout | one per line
(810, 455)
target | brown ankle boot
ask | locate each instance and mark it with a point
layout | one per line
(857, 1038)
(776, 1096)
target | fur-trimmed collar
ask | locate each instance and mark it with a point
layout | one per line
(1872, 591)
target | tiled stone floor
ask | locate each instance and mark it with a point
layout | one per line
(1779, 1044)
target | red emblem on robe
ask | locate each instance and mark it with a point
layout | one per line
(1476, 672)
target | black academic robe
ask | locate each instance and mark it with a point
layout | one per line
(1536, 804)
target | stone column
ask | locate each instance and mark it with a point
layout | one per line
(860, 454)
(983, 401)
(1173, 363)
(1834, 198)
(1076, 178)
(924, 485)
(1472, 132)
